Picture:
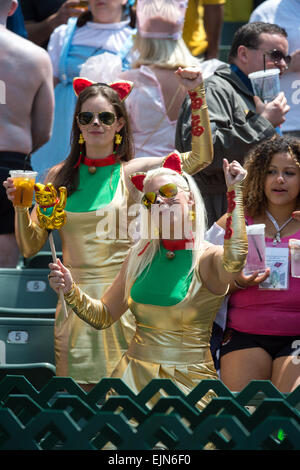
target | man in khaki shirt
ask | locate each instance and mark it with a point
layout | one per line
(26, 105)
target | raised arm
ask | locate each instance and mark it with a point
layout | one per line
(201, 154)
(225, 264)
(99, 313)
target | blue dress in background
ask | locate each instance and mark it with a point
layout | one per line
(71, 59)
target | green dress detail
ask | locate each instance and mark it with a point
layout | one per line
(166, 282)
(94, 191)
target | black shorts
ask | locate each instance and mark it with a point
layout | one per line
(9, 161)
(276, 346)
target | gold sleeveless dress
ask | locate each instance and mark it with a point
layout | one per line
(94, 257)
(172, 342)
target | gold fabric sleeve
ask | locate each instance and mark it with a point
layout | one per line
(235, 238)
(201, 154)
(92, 311)
(29, 235)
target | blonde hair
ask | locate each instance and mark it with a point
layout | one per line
(163, 53)
(143, 252)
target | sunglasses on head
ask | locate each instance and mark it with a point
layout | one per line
(168, 191)
(276, 56)
(87, 117)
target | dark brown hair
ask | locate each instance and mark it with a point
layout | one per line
(257, 164)
(68, 175)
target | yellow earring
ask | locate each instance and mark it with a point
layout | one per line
(81, 139)
(118, 139)
(192, 215)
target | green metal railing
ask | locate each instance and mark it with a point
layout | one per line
(62, 416)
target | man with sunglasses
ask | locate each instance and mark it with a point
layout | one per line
(238, 119)
(286, 13)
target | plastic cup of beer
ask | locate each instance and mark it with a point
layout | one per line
(256, 258)
(294, 245)
(265, 84)
(24, 181)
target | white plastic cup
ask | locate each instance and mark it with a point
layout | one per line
(256, 258)
(266, 84)
(294, 246)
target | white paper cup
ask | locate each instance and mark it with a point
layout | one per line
(256, 258)
(265, 84)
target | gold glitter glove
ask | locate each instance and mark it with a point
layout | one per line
(235, 238)
(202, 147)
(92, 311)
(29, 235)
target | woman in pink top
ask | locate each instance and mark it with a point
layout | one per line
(262, 339)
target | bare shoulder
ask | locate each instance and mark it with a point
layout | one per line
(29, 56)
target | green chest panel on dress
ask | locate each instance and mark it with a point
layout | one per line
(166, 282)
(94, 191)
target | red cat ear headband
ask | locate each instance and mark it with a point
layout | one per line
(172, 161)
(123, 88)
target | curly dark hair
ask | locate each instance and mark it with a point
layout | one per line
(257, 164)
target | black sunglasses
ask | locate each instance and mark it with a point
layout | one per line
(276, 56)
(86, 117)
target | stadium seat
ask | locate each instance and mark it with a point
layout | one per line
(26, 340)
(26, 292)
(27, 315)
(37, 374)
(40, 261)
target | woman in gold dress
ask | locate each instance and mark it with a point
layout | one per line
(173, 282)
(95, 239)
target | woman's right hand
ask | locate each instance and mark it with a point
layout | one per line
(10, 188)
(60, 277)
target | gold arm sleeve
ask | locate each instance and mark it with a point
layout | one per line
(235, 238)
(92, 311)
(29, 235)
(201, 154)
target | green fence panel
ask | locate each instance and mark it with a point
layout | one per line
(61, 416)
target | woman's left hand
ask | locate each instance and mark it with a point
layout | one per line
(234, 172)
(243, 281)
(189, 77)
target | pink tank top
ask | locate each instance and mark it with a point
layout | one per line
(267, 312)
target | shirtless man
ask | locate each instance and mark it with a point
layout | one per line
(26, 114)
